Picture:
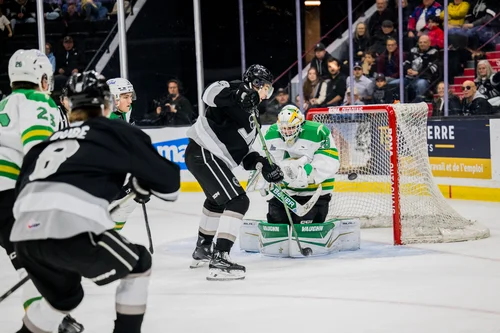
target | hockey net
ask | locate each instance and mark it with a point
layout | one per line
(386, 147)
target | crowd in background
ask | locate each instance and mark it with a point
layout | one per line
(474, 29)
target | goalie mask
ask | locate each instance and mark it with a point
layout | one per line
(290, 121)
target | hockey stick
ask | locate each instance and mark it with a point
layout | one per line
(307, 251)
(112, 207)
(148, 229)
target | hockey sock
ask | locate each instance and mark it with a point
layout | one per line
(30, 293)
(208, 225)
(41, 317)
(228, 230)
(128, 323)
(131, 299)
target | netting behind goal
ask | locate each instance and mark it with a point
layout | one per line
(386, 146)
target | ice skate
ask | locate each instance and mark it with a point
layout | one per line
(202, 253)
(221, 268)
(70, 325)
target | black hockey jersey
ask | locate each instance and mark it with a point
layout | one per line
(67, 181)
(224, 129)
(104, 151)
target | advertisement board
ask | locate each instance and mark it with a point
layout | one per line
(460, 148)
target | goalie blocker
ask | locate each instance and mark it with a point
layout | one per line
(277, 239)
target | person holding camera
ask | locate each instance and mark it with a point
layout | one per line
(174, 109)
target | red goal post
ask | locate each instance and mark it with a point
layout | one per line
(386, 145)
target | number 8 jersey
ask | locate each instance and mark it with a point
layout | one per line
(27, 117)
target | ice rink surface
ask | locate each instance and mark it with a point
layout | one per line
(451, 288)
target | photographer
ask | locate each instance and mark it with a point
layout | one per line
(173, 109)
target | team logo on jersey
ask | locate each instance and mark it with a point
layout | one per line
(236, 182)
(173, 150)
(272, 148)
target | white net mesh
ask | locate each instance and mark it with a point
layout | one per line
(363, 138)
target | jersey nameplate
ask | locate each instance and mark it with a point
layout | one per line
(71, 133)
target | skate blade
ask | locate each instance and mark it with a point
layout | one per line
(198, 263)
(220, 275)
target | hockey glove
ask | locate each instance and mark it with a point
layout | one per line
(247, 98)
(141, 195)
(271, 172)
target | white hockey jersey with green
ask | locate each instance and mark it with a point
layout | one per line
(26, 118)
(315, 147)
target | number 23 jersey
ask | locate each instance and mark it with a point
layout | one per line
(27, 117)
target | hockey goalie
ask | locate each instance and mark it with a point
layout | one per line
(306, 152)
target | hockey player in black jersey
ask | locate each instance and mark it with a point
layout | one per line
(220, 140)
(63, 230)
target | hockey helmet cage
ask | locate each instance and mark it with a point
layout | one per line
(256, 76)
(88, 89)
(31, 66)
(290, 121)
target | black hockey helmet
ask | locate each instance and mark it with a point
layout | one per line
(88, 89)
(256, 76)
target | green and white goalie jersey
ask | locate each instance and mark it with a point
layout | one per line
(314, 150)
(27, 117)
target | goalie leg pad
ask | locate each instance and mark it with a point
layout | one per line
(274, 239)
(249, 236)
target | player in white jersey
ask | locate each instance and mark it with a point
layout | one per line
(306, 152)
(27, 116)
(123, 94)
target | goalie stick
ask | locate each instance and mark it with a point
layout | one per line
(112, 207)
(283, 197)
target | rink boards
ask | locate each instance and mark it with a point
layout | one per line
(171, 143)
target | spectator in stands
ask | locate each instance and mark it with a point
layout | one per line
(71, 12)
(457, 11)
(384, 93)
(5, 33)
(94, 10)
(473, 103)
(274, 106)
(51, 10)
(388, 62)
(68, 61)
(369, 64)
(51, 56)
(380, 38)
(3, 7)
(482, 14)
(454, 105)
(361, 41)
(362, 85)
(320, 60)
(421, 67)
(488, 82)
(336, 87)
(174, 108)
(435, 33)
(382, 14)
(22, 11)
(314, 89)
(357, 100)
(420, 15)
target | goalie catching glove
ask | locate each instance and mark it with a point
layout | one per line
(297, 173)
